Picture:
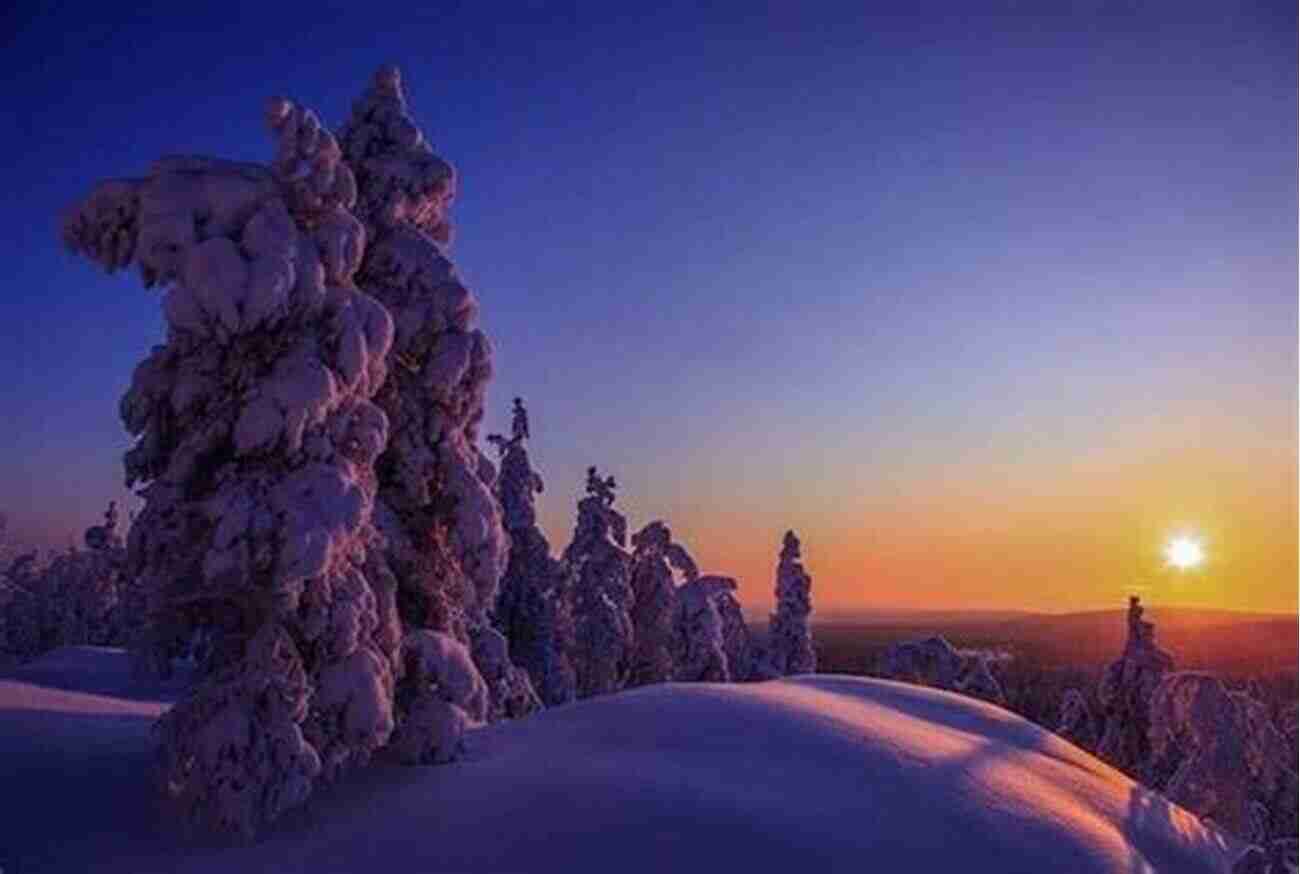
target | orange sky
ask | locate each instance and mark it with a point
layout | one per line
(1022, 536)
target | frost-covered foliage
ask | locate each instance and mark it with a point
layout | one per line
(699, 635)
(511, 690)
(445, 542)
(440, 695)
(257, 442)
(1076, 724)
(532, 609)
(790, 647)
(742, 654)
(81, 596)
(602, 594)
(435, 486)
(1125, 695)
(1232, 762)
(935, 662)
(655, 557)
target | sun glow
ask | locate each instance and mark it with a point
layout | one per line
(1184, 553)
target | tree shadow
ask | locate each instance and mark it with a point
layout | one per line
(1150, 814)
(97, 671)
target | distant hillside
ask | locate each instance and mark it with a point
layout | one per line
(1223, 641)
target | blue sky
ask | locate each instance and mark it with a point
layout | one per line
(767, 264)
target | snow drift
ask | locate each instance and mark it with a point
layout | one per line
(806, 773)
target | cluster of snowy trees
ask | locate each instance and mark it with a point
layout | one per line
(614, 612)
(1215, 752)
(317, 511)
(935, 662)
(81, 596)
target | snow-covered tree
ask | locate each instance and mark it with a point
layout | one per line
(533, 604)
(80, 596)
(1232, 762)
(602, 596)
(935, 662)
(445, 542)
(441, 694)
(655, 557)
(1125, 695)
(1075, 723)
(256, 441)
(741, 652)
(700, 652)
(789, 647)
(260, 424)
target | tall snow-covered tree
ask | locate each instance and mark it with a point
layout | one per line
(533, 605)
(790, 648)
(1125, 695)
(320, 385)
(602, 596)
(655, 557)
(256, 439)
(445, 542)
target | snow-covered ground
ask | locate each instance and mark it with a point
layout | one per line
(810, 774)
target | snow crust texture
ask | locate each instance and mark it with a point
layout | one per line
(912, 779)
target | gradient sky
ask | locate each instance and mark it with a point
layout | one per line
(986, 305)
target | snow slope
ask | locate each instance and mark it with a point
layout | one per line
(810, 774)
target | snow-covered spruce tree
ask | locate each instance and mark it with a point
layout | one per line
(446, 545)
(1125, 695)
(602, 595)
(533, 608)
(699, 641)
(654, 606)
(1233, 765)
(789, 647)
(256, 441)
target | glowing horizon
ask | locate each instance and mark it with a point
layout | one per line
(986, 307)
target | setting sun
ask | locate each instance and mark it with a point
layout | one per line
(1184, 553)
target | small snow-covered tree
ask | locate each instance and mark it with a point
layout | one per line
(441, 694)
(655, 556)
(700, 651)
(602, 595)
(790, 648)
(1125, 695)
(741, 652)
(935, 662)
(533, 605)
